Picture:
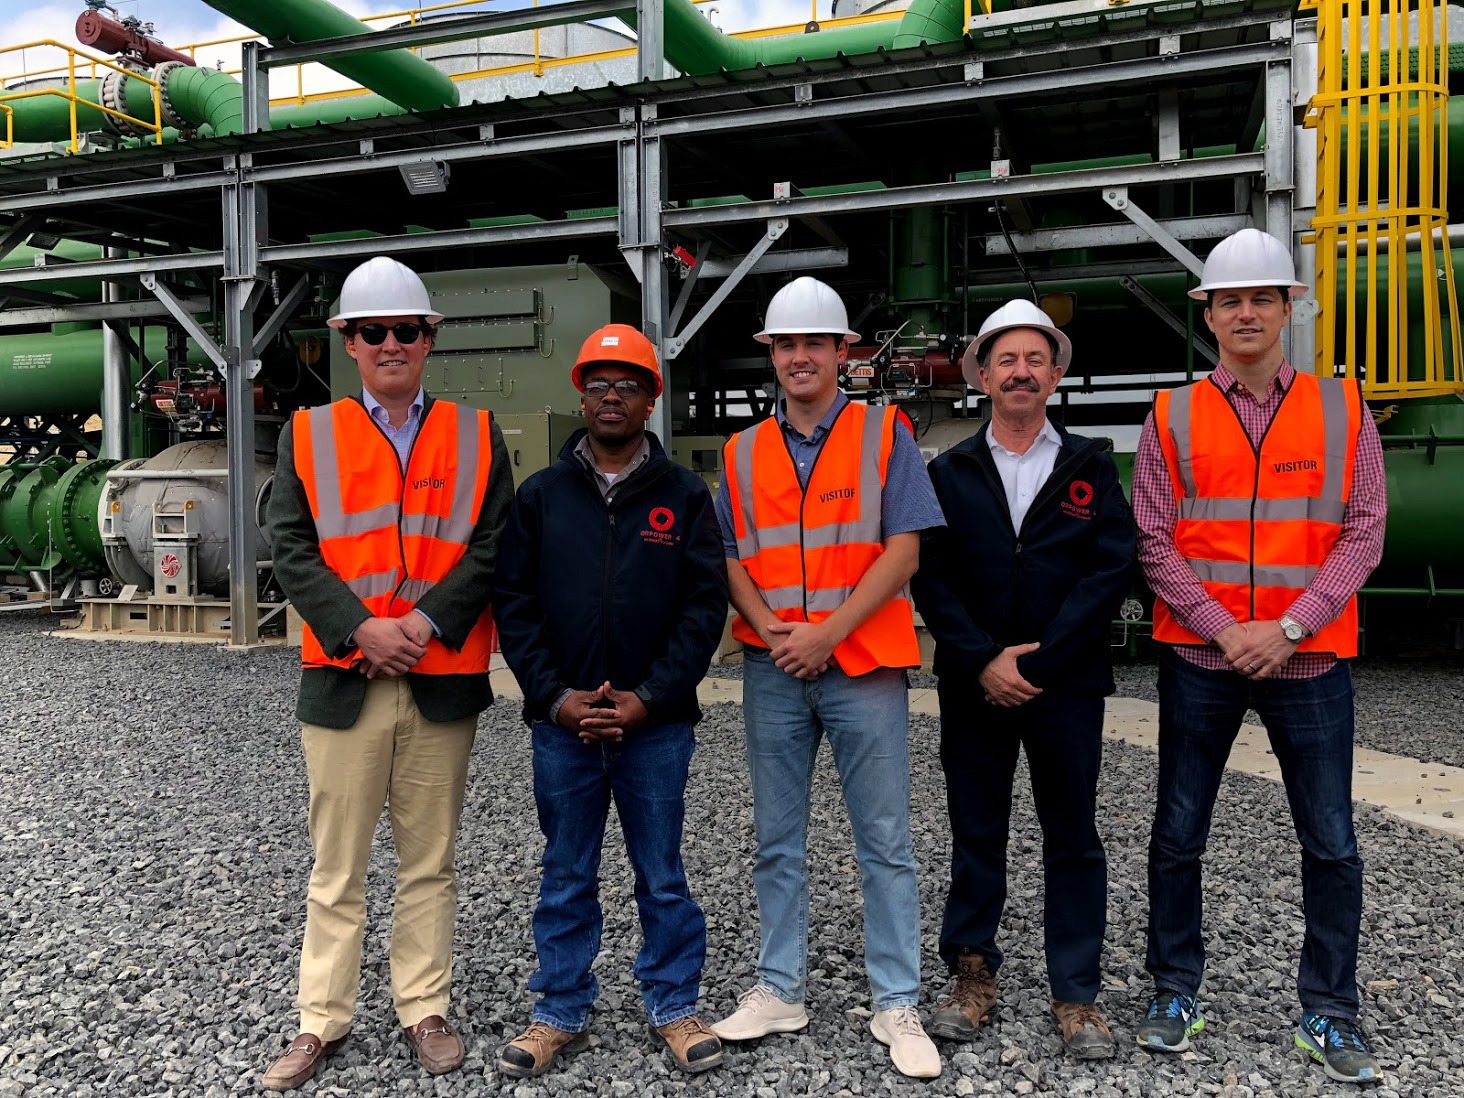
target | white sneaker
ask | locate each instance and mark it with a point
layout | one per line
(912, 1052)
(760, 1012)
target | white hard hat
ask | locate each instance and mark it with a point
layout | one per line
(383, 287)
(1020, 313)
(806, 306)
(1248, 258)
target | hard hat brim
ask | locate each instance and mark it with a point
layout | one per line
(339, 320)
(766, 335)
(1294, 288)
(971, 364)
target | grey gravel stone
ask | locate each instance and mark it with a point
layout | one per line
(153, 857)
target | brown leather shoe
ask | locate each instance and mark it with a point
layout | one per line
(691, 1042)
(970, 1000)
(534, 1051)
(438, 1048)
(1084, 1032)
(302, 1056)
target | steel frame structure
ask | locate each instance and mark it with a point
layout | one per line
(639, 126)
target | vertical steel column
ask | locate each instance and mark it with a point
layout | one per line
(116, 375)
(1280, 152)
(244, 217)
(650, 169)
(1304, 199)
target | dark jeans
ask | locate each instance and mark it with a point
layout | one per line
(1310, 725)
(1063, 737)
(573, 784)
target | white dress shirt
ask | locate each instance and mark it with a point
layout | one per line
(1022, 475)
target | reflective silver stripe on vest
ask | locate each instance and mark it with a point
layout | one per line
(331, 522)
(1179, 431)
(1238, 509)
(747, 545)
(783, 598)
(413, 589)
(1334, 434)
(457, 527)
(1238, 573)
(373, 584)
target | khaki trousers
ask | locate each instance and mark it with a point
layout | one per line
(391, 756)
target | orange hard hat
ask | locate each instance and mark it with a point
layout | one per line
(619, 344)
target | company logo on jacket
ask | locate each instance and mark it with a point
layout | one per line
(661, 519)
(1080, 494)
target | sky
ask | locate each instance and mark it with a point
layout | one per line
(188, 21)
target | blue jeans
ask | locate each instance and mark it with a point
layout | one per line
(573, 784)
(1310, 723)
(866, 721)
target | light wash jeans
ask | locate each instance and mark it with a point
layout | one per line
(866, 721)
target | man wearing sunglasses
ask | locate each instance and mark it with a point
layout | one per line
(385, 519)
(611, 598)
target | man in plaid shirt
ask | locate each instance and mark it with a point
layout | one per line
(1255, 542)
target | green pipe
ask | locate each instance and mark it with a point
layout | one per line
(327, 111)
(50, 374)
(398, 75)
(202, 96)
(697, 48)
(48, 515)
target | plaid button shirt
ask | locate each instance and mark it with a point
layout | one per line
(1351, 561)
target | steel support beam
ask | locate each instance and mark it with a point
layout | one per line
(1304, 313)
(677, 344)
(1280, 151)
(688, 283)
(1118, 198)
(282, 313)
(794, 259)
(115, 268)
(14, 236)
(1159, 309)
(1108, 236)
(86, 312)
(533, 232)
(185, 320)
(973, 190)
(116, 377)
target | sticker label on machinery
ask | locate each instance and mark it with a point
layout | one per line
(31, 362)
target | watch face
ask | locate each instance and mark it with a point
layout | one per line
(1293, 631)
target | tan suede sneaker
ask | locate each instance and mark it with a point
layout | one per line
(970, 1002)
(534, 1051)
(691, 1042)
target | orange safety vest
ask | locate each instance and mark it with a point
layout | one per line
(807, 549)
(1257, 522)
(391, 536)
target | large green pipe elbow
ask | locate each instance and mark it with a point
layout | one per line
(204, 97)
(931, 21)
(398, 75)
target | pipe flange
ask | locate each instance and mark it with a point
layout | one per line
(171, 117)
(113, 99)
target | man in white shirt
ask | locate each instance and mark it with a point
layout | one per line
(1018, 592)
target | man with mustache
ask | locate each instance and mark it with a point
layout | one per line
(1018, 592)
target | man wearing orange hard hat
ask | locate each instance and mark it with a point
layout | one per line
(611, 598)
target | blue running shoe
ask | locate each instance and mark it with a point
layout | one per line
(1172, 1020)
(1336, 1044)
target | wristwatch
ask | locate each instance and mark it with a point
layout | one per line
(1293, 630)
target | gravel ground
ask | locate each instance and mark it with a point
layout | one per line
(154, 858)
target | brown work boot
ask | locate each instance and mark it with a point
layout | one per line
(691, 1042)
(1084, 1032)
(970, 1000)
(534, 1051)
(438, 1048)
(302, 1056)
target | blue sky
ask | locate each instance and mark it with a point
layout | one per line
(184, 21)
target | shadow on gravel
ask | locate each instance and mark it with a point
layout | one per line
(153, 860)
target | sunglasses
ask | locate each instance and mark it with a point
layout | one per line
(375, 334)
(626, 387)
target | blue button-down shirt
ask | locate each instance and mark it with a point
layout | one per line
(401, 437)
(908, 503)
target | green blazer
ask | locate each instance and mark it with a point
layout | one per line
(331, 696)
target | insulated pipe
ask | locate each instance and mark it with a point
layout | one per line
(399, 75)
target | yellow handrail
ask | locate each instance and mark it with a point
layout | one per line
(75, 100)
(1375, 197)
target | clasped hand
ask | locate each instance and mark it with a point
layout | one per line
(603, 713)
(801, 648)
(392, 646)
(1004, 684)
(1255, 649)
